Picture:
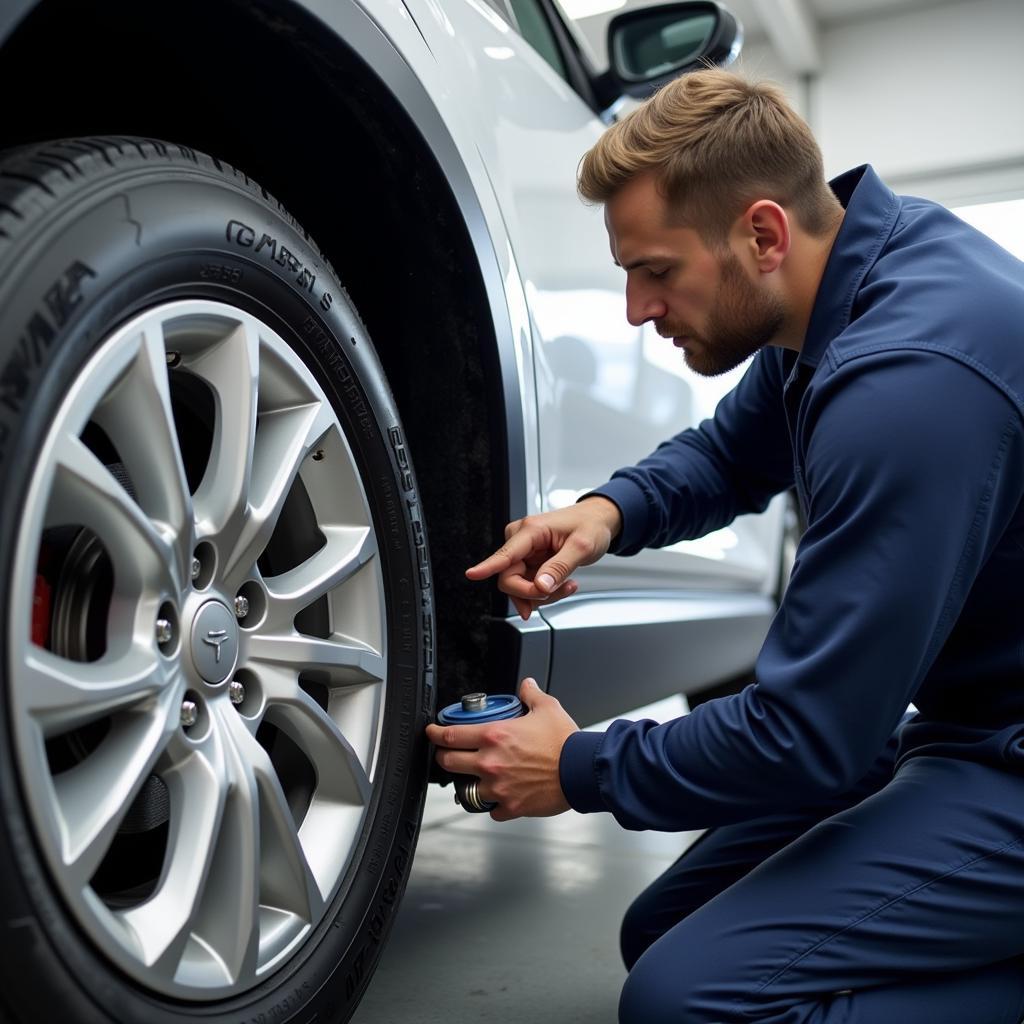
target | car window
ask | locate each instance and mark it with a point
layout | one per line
(536, 30)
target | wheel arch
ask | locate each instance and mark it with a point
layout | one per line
(361, 157)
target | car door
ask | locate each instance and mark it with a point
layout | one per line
(607, 392)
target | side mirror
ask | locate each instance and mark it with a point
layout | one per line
(651, 46)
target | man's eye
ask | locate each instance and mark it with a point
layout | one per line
(657, 273)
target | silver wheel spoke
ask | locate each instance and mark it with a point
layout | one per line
(231, 368)
(340, 774)
(85, 493)
(348, 548)
(161, 926)
(342, 661)
(151, 457)
(226, 920)
(284, 439)
(94, 796)
(286, 880)
(62, 694)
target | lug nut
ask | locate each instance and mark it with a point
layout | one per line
(164, 631)
(189, 713)
(197, 568)
(241, 606)
(236, 691)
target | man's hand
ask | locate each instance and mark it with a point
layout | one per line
(541, 552)
(516, 760)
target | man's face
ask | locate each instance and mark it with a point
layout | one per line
(703, 300)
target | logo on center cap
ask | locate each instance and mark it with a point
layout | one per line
(214, 642)
(215, 638)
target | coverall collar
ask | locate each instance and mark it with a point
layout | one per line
(871, 209)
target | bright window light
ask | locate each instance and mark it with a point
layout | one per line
(1002, 222)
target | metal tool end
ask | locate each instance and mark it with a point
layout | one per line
(467, 795)
(474, 702)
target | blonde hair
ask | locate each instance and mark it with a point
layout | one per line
(716, 143)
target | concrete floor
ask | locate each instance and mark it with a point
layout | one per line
(515, 922)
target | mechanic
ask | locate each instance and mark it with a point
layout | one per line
(860, 866)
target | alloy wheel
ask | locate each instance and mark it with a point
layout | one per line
(198, 661)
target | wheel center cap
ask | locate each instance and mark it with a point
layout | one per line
(214, 642)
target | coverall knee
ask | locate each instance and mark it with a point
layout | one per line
(906, 907)
(723, 855)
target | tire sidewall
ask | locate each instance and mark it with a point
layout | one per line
(102, 253)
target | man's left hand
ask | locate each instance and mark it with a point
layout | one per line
(516, 760)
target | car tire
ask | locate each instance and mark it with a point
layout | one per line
(217, 664)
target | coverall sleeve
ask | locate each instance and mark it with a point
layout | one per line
(914, 468)
(701, 479)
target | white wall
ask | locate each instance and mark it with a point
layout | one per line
(933, 97)
(758, 60)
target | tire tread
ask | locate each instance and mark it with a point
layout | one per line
(34, 177)
(28, 179)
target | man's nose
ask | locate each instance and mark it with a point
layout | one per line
(642, 304)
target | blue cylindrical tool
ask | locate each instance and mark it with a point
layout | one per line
(477, 709)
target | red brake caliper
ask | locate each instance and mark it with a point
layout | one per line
(41, 601)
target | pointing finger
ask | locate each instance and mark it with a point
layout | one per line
(515, 549)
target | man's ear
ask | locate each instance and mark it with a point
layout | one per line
(764, 232)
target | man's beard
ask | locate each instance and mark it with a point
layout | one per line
(742, 321)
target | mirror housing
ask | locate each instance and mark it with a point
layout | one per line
(653, 45)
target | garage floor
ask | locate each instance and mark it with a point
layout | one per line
(518, 921)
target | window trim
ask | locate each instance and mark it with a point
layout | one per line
(582, 78)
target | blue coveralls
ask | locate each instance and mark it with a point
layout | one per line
(852, 874)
